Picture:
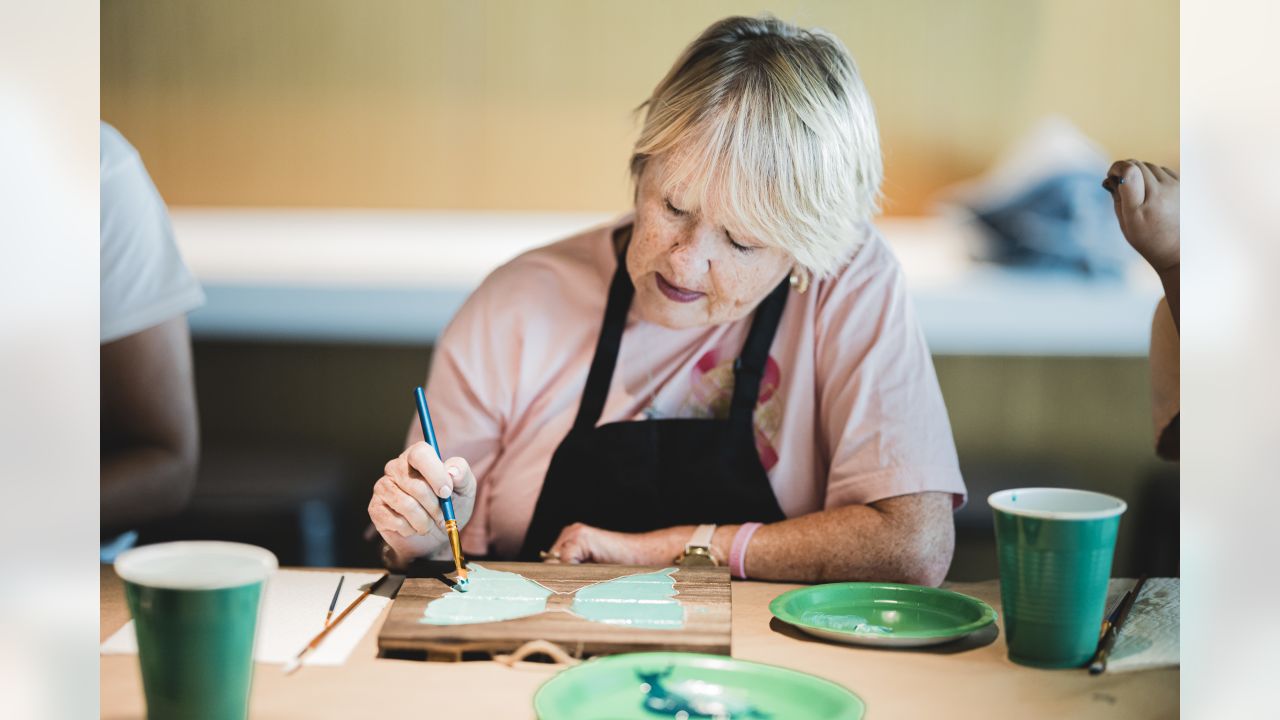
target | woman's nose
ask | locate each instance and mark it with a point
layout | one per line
(691, 252)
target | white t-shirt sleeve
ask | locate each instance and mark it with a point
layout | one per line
(143, 279)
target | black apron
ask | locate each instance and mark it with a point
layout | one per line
(644, 475)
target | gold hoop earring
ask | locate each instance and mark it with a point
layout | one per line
(800, 280)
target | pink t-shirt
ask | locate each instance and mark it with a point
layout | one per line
(849, 412)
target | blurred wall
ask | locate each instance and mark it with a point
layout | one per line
(526, 105)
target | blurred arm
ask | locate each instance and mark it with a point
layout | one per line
(150, 432)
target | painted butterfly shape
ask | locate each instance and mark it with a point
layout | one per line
(644, 600)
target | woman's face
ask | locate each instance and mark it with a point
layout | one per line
(687, 269)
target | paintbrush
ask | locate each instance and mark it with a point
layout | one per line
(334, 602)
(296, 662)
(446, 504)
(1112, 625)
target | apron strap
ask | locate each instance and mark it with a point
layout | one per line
(600, 375)
(748, 368)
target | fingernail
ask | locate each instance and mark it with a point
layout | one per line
(454, 472)
(446, 491)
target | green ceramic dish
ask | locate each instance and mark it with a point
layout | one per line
(651, 686)
(882, 614)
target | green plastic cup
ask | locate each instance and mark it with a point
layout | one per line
(195, 610)
(1055, 548)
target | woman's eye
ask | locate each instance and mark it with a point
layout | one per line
(675, 210)
(744, 249)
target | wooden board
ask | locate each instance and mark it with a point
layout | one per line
(704, 593)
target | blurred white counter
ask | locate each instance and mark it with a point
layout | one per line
(389, 276)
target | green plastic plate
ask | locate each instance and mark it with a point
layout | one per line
(882, 614)
(687, 686)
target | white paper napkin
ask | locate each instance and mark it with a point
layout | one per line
(1149, 637)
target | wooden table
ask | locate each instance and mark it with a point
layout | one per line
(972, 678)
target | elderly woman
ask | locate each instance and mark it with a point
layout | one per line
(734, 370)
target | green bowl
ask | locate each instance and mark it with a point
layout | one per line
(882, 614)
(649, 686)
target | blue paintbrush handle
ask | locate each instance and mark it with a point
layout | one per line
(429, 434)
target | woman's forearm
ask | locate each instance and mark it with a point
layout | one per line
(906, 539)
(855, 543)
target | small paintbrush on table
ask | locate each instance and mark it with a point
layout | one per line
(296, 662)
(334, 602)
(1111, 628)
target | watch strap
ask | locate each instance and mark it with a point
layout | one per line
(701, 538)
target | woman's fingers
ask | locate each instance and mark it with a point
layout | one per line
(574, 552)
(581, 543)
(410, 483)
(415, 484)
(423, 459)
(572, 546)
(388, 522)
(406, 506)
(1129, 189)
(420, 475)
(464, 480)
(405, 503)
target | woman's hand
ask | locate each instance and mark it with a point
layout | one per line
(579, 543)
(405, 507)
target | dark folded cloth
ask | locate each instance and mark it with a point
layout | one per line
(1066, 221)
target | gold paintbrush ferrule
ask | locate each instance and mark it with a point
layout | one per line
(455, 544)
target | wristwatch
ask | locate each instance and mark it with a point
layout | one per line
(697, 552)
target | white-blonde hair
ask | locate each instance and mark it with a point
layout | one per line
(772, 124)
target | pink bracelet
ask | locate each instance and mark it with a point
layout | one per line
(738, 551)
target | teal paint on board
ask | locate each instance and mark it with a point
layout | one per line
(492, 596)
(645, 600)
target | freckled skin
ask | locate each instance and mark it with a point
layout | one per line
(694, 252)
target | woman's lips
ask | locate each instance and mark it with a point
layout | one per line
(676, 293)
